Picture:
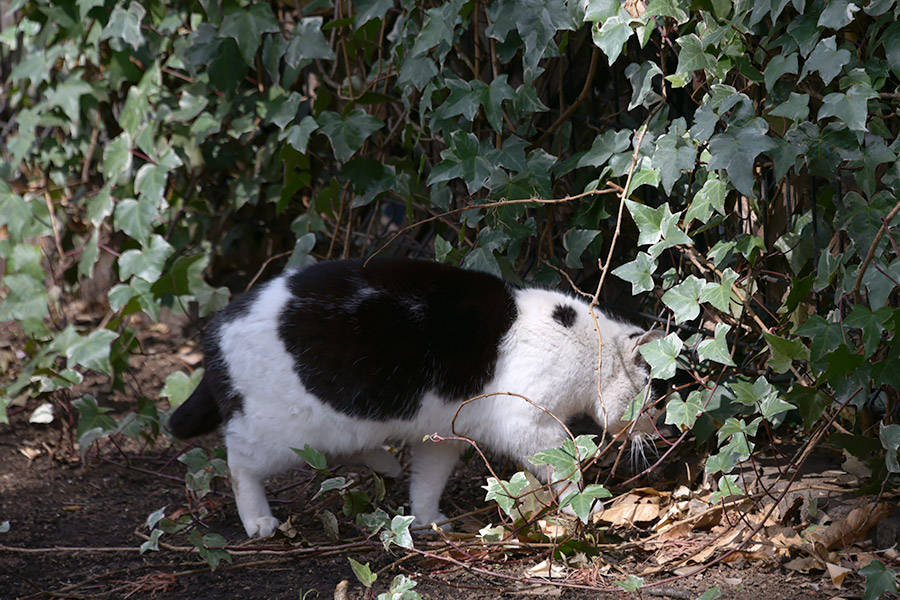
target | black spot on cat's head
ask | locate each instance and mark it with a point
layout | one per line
(564, 314)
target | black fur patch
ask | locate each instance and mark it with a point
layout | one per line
(371, 341)
(564, 314)
(215, 370)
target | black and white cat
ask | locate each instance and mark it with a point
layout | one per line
(345, 357)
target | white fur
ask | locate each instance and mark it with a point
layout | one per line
(553, 366)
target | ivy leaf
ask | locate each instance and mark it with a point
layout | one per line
(890, 441)
(683, 299)
(783, 352)
(246, 27)
(367, 10)
(716, 349)
(662, 356)
(851, 107)
(362, 571)
(126, 25)
(504, 493)
(612, 35)
(709, 198)
(837, 14)
(576, 242)
(691, 56)
(870, 324)
(605, 145)
(117, 156)
(671, 158)
(92, 351)
(683, 413)
(312, 457)
(641, 78)
(638, 272)
(399, 532)
(466, 159)
(879, 580)
(736, 151)
(89, 254)
(348, 134)
(298, 135)
(778, 66)
(135, 218)
(308, 43)
(582, 502)
(795, 108)
(147, 263)
(721, 295)
(676, 9)
(826, 59)
(179, 386)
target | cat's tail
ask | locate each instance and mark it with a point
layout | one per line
(198, 414)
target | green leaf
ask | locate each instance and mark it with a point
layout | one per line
(605, 145)
(147, 263)
(399, 532)
(780, 65)
(308, 43)
(89, 253)
(247, 26)
(504, 493)
(837, 14)
(367, 10)
(576, 242)
(631, 584)
(736, 151)
(179, 386)
(716, 349)
(348, 134)
(727, 487)
(684, 299)
(783, 352)
(676, 9)
(662, 356)
(647, 175)
(721, 295)
(672, 156)
(126, 25)
(683, 413)
(641, 78)
(709, 198)
(890, 441)
(879, 580)
(638, 272)
(826, 59)
(117, 157)
(135, 218)
(870, 324)
(795, 108)
(92, 352)
(298, 135)
(612, 35)
(583, 502)
(312, 457)
(363, 573)
(466, 159)
(712, 593)
(691, 56)
(851, 108)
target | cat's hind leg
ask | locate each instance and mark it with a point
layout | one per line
(250, 496)
(432, 464)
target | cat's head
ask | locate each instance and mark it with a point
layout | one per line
(626, 398)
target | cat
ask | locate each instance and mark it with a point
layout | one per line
(346, 355)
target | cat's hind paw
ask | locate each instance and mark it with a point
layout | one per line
(261, 527)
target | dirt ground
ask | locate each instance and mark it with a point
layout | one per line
(75, 528)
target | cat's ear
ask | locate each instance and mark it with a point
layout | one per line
(644, 338)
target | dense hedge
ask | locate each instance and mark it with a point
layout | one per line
(734, 162)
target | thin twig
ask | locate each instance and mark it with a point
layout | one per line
(871, 253)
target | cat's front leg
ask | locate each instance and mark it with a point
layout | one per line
(250, 497)
(432, 464)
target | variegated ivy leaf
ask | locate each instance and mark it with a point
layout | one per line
(638, 272)
(716, 349)
(662, 356)
(684, 299)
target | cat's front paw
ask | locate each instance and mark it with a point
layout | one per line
(425, 525)
(261, 527)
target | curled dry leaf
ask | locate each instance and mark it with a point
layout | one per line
(837, 573)
(546, 568)
(851, 528)
(805, 564)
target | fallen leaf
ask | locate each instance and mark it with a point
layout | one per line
(548, 569)
(551, 530)
(628, 514)
(676, 532)
(804, 564)
(853, 527)
(30, 453)
(837, 573)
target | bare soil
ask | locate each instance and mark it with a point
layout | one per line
(75, 527)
